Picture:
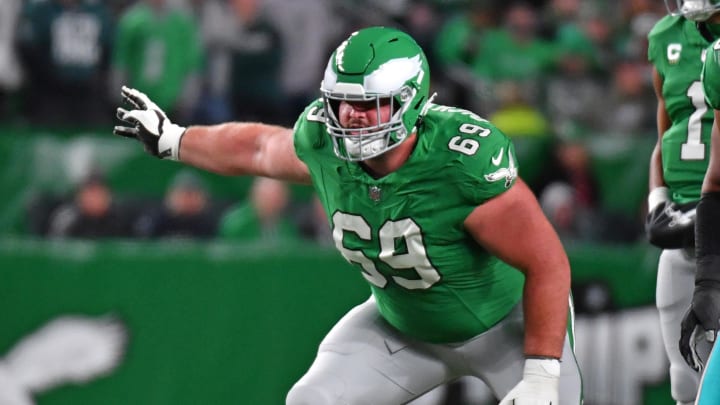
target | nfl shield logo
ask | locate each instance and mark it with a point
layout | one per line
(374, 193)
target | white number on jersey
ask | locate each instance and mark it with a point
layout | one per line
(415, 258)
(693, 148)
(468, 146)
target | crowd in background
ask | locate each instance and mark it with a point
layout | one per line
(558, 71)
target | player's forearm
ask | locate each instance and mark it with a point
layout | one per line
(243, 149)
(663, 124)
(656, 178)
(545, 303)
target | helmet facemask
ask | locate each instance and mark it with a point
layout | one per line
(361, 143)
(695, 10)
(387, 71)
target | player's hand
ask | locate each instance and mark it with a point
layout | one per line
(666, 226)
(701, 322)
(149, 125)
(539, 386)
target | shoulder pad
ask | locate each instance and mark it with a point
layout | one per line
(309, 131)
(665, 24)
(477, 153)
(311, 119)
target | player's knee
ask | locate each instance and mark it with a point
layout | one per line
(308, 394)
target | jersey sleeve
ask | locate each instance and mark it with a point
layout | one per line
(667, 27)
(711, 75)
(653, 46)
(491, 172)
(652, 53)
(309, 131)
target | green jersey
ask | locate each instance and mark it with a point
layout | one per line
(711, 75)
(676, 49)
(158, 51)
(405, 231)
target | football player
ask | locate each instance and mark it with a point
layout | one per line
(677, 166)
(467, 275)
(701, 322)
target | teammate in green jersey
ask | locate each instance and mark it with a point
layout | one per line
(677, 166)
(425, 200)
(701, 323)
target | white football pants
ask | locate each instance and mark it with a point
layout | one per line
(363, 361)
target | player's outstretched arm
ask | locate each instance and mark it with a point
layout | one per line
(513, 227)
(234, 148)
(702, 319)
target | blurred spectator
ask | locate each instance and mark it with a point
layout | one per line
(186, 212)
(575, 93)
(596, 21)
(630, 102)
(242, 78)
(10, 69)
(517, 53)
(423, 21)
(91, 214)
(356, 14)
(65, 46)
(39, 210)
(569, 218)
(219, 32)
(561, 12)
(458, 47)
(515, 116)
(263, 217)
(158, 49)
(307, 30)
(638, 19)
(313, 224)
(460, 38)
(568, 190)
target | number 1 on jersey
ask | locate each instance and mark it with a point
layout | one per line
(693, 148)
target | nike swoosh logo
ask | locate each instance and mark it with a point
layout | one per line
(497, 159)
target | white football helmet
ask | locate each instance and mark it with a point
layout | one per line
(377, 64)
(696, 10)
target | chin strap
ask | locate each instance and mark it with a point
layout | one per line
(427, 105)
(423, 111)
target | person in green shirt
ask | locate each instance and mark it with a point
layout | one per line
(158, 49)
(467, 276)
(262, 217)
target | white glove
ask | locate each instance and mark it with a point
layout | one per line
(149, 125)
(539, 385)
